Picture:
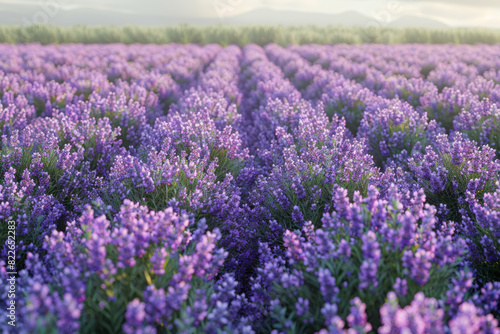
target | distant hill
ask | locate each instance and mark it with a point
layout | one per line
(269, 16)
(416, 21)
(14, 14)
(10, 15)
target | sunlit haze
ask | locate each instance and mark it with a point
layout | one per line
(440, 13)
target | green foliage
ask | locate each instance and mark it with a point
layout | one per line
(486, 271)
(129, 283)
(442, 114)
(262, 35)
(39, 104)
(116, 121)
(106, 300)
(484, 243)
(412, 97)
(67, 193)
(224, 164)
(284, 216)
(489, 127)
(318, 196)
(426, 69)
(48, 159)
(346, 274)
(408, 139)
(456, 187)
(183, 188)
(21, 205)
(353, 115)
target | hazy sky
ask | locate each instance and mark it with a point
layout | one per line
(485, 13)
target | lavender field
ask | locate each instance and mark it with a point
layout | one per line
(208, 189)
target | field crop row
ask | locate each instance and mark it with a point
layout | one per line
(206, 189)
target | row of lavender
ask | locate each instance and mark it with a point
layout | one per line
(203, 189)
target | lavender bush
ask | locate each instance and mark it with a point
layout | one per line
(340, 274)
(208, 189)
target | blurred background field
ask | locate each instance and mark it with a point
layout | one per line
(242, 35)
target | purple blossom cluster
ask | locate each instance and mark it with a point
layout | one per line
(208, 189)
(363, 250)
(92, 267)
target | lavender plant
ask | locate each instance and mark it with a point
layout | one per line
(482, 231)
(341, 273)
(145, 272)
(393, 132)
(443, 107)
(451, 168)
(307, 164)
(481, 123)
(186, 162)
(206, 189)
